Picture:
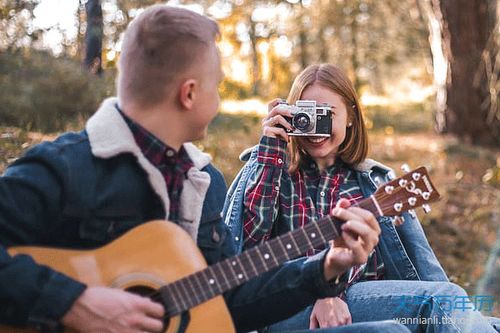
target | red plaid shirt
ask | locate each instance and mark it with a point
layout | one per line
(172, 165)
(277, 202)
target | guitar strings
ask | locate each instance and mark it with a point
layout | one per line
(227, 283)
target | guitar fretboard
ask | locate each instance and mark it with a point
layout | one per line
(201, 286)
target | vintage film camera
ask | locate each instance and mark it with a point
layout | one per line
(310, 118)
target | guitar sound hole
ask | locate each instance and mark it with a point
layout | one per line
(141, 290)
(149, 292)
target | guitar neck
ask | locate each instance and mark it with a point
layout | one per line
(201, 286)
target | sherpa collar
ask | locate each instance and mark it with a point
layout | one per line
(368, 164)
(109, 136)
(365, 166)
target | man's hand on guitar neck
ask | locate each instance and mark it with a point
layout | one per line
(101, 309)
(359, 237)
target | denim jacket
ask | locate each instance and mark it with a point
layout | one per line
(406, 253)
(85, 189)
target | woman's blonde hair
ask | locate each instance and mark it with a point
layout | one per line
(355, 146)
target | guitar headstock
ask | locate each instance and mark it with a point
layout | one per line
(412, 190)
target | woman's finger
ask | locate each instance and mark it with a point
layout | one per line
(280, 109)
(368, 236)
(313, 322)
(343, 203)
(358, 254)
(278, 120)
(273, 103)
(368, 217)
(275, 132)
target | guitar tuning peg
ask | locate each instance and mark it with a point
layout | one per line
(398, 220)
(398, 206)
(412, 213)
(426, 208)
(416, 176)
(426, 195)
(405, 167)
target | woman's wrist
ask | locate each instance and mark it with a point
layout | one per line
(272, 151)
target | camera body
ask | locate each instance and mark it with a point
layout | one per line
(310, 118)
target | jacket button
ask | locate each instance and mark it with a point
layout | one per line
(111, 228)
(215, 236)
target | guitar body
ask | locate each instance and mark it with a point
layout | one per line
(157, 254)
(147, 257)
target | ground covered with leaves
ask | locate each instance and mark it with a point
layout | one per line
(463, 227)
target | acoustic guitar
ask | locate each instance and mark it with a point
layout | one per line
(161, 261)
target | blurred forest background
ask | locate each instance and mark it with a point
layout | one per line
(427, 72)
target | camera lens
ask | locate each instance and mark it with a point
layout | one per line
(302, 122)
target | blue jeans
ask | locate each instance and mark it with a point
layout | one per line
(388, 326)
(413, 303)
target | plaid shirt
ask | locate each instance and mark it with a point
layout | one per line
(172, 165)
(277, 202)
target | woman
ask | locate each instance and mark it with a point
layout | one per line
(289, 182)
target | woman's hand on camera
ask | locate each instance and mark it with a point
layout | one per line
(274, 124)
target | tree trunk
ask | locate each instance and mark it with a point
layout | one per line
(255, 59)
(323, 46)
(79, 34)
(93, 37)
(302, 19)
(469, 33)
(354, 45)
(439, 61)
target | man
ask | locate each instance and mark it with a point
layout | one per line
(132, 164)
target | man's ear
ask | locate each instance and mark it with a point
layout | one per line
(187, 93)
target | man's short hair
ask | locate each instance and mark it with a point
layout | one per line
(161, 43)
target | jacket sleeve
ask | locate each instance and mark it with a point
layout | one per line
(30, 197)
(260, 203)
(419, 250)
(282, 292)
(416, 245)
(233, 204)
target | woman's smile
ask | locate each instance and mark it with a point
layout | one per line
(315, 141)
